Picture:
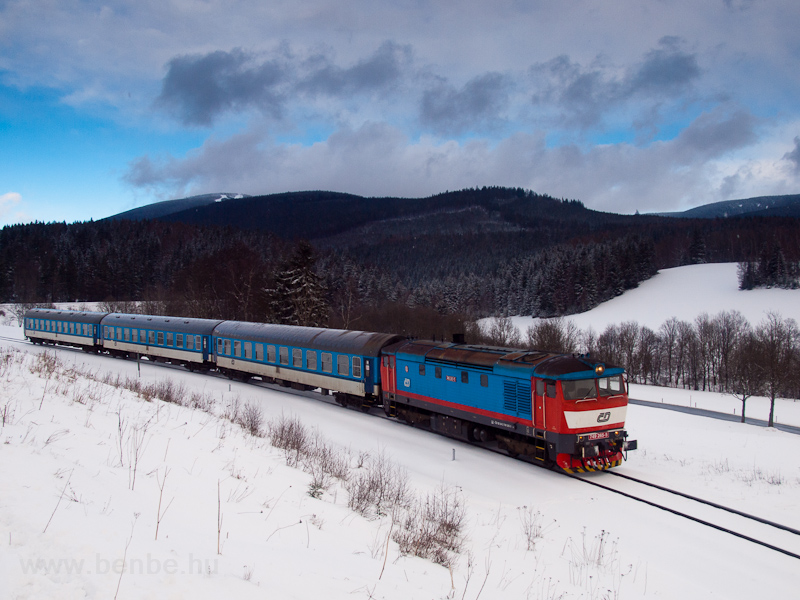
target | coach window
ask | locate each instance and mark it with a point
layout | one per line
(228, 347)
(248, 353)
(126, 334)
(170, 338)
(179, 340)
(190, 342)
(197, 342)
(160, 338)
(135, 335)
(438, 372)
(464, 377)
(342, 365)
(237, 348)
(311, 360)
(297, 358)
(151, 337)
(220, 346)
(422, 369)
(327, 362)
(357, 366)
(484, 380)
(283, 353)
(271, 354)
(259, 351)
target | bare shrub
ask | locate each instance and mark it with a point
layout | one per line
(324, 463)
(291, 436)
(167, 390)
(45, 364)
(232, 408)
(204, 402)
(532, 527)
(600, 553)
(251, 419)
(378, 488)
(432, 528)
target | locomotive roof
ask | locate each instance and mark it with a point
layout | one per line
(179, 324)
(74, 316)
(532, 362)
(346, 341)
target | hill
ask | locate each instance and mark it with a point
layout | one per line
(761, 206)
(685, 293)
(159, 210)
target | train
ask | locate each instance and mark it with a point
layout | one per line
(562, 411)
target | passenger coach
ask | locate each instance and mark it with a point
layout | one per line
(75, 328)
(305, 357)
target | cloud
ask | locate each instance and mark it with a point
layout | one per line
(8, 201)
(476, 107)
(794, 156)
(584, 96)
(198, 88)
(379, 159)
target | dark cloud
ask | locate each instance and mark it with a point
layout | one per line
(666, 70)
(794, 156)
(583, 96)
(477, 106)
(716, 133)
(198, 88)
(380, 71)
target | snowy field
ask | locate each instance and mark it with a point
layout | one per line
(235, 521)
(685, 293)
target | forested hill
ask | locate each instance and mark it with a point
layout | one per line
(316, 215)
(378, 261)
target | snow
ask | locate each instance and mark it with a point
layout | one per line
(685, 293)
(67, 469)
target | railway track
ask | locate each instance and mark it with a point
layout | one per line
(752, 528)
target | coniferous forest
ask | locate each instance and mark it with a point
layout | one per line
(422, 267)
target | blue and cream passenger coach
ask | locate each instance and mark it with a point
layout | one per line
(305, 357)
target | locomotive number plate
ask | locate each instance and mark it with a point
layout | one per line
(598, 436)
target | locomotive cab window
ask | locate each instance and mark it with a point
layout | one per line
(484, 380)
(422, 369)
(464, 377)
(611, 385)
(437, 371)
(551, 389)
(579, 389)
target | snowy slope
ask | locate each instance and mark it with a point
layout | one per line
(685, 293)
(67, 468)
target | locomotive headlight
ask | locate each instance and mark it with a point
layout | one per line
(599, 370)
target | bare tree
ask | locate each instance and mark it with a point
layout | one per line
(776, 356)
(745, 380)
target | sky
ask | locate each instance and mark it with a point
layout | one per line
(648, 105)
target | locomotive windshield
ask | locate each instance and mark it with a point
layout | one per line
(586, 389)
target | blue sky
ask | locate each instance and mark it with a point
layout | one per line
(645, 105)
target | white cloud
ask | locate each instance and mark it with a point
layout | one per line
(8, 201)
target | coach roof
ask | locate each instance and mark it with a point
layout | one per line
(346, 341)
(178, 324)
(73, 316)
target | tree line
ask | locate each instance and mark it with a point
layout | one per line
(720, 353)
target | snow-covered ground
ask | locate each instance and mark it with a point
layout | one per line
(685, 293)
(70, 511)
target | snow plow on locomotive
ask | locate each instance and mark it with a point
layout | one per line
(564, 411)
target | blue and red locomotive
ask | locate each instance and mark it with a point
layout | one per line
(559, 410)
